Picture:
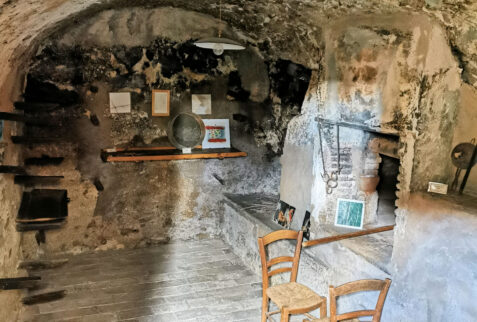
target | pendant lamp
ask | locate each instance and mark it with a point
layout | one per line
(219, 44)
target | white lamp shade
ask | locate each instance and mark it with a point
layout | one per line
(225, 43)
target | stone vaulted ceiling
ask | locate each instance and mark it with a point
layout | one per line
(291, 29)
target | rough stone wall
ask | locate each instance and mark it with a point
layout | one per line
(434, 258)
(153, 202)
(383, 73)
(10, 239)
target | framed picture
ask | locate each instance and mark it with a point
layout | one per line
(217, 134)
(201, 104)
(161, 102)
(306, 226)
(284, 214)
(349, 213)
(120, 103)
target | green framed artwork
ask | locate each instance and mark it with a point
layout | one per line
(349, 213)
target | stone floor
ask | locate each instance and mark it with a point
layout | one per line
(183, 281)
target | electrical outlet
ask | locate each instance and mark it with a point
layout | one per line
(437, 187)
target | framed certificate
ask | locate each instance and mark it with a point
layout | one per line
(160, 102)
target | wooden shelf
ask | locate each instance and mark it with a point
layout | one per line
(138, 154)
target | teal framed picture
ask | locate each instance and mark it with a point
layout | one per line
(349, 213)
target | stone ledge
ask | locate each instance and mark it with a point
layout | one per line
(376, 251)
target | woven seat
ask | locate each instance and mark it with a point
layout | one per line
(293, 295)
(327, 319)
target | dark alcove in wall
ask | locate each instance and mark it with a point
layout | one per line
(387, 187)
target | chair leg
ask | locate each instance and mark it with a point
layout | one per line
(265, 302)
(323, 308)
(284, 315)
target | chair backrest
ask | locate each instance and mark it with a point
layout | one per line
(270, 238)
(359, 286)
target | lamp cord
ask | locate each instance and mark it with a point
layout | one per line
(220, 18)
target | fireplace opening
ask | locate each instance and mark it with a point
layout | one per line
(388, 172)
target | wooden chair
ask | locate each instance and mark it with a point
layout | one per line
(353, 287)
(291, 298)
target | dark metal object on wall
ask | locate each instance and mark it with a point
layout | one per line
(471, 164)
(463, 158)
(186, 130)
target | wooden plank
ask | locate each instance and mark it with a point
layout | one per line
(34, 140)
(31, 107)
(32, 180)
(40, 121)
(42, 264)
(171, 157)
(330, 239)
(11, 169)
(12, 117)
(17, 283)
(43, 298)
(39, 226)
(39, 220)
(44, 160)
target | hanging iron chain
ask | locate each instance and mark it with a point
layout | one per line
(330, 179)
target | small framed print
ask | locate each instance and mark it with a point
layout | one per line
(120, 103)
(284, 214)
(349, 213)
(161, 102)
(201, 104)
(217, 134)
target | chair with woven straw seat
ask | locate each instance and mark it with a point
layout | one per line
(354, 287)
(292, 297)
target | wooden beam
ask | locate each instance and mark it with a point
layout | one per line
(43, 298)
(39, 226)
(11, 169)
(34, 140)
(33, 107)
(40, 121)
(191, 156)
(42, 264)
(330, 239)
(39, 220)
(44, 160)
(32, 180)
(17, 283)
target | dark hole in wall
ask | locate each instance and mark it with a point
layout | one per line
(235, 89)
(289, 81)
(387, 188)
(46, 92)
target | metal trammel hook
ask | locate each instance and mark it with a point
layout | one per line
(330, 179)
